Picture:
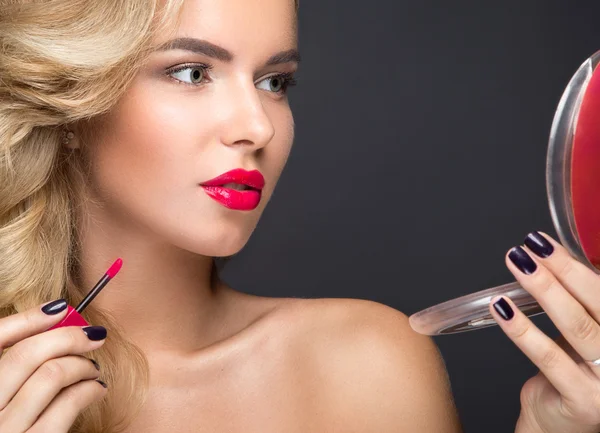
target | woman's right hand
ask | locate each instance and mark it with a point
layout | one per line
(45, 381)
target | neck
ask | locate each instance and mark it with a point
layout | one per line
(164, 297)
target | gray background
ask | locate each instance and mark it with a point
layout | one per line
(419, 161)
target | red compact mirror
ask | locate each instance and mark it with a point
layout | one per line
(572, 182)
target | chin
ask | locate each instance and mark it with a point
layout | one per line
(223, 242)
(230, 249)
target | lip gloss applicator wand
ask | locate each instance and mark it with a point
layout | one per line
(73, 317)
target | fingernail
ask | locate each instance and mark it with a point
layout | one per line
(95, 333)
(503, 308)
(539, 245)
(54, 307)
(102, 383)
(95, 364)
(522, 260)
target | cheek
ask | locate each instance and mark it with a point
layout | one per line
(146, 150)
(280, 148)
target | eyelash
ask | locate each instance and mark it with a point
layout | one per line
(287, 78)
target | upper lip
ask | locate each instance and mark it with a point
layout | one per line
(253, 179)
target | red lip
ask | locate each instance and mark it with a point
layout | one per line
(234, 199)
(253, 179)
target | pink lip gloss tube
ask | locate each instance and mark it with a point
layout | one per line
(73, 317)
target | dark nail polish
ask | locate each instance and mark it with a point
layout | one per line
(54, 307)
(539, 245)
(522, 260)
(95, 333)
(102, 383)
(503, 308)
(95, 364)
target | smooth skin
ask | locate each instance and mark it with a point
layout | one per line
(327, 365)
(335, 365)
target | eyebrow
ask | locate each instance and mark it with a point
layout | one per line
(206, 48)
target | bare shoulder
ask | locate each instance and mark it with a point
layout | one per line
(350, 318)
(348, 324)
(369, 366)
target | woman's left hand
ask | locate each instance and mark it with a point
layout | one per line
(565, 395)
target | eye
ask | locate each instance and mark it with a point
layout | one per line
(277, 83)
(189, 74)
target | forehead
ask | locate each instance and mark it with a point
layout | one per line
(241, 24)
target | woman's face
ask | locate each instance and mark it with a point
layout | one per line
(214, 103)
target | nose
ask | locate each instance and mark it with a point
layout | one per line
(246, 122)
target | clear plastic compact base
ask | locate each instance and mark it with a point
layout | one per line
(573, 187)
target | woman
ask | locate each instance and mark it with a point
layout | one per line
(117, 121)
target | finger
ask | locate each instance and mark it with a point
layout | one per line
(569, 316)
(17, 327)
(42, 387)
(60, 415)
(560, 370)
(20, 361)
(576, 278)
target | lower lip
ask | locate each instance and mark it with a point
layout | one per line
(234, 199)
